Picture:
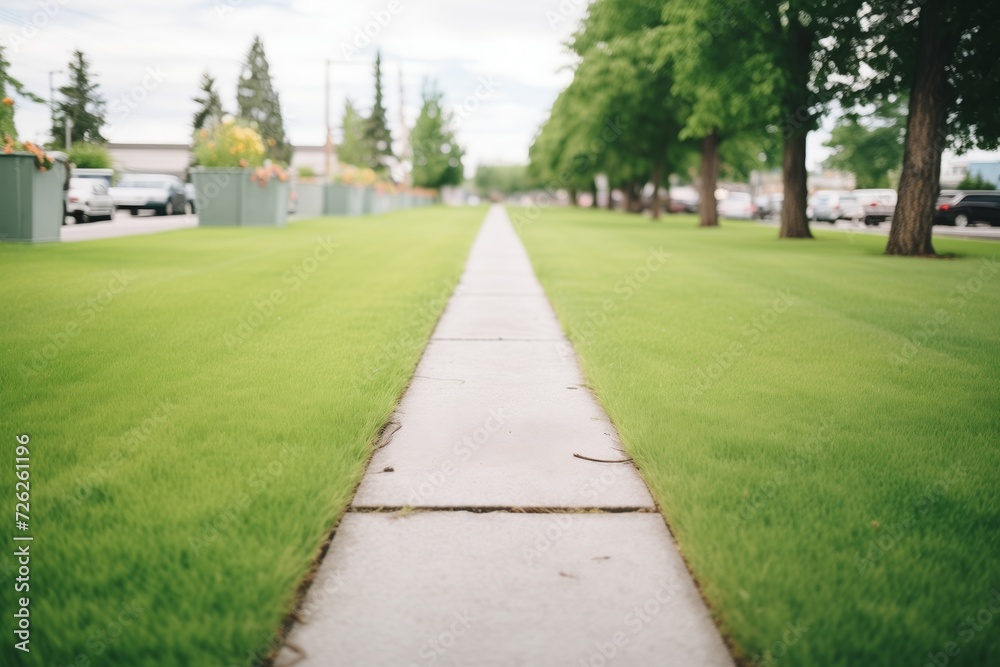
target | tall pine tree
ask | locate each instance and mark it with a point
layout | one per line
(81, 103)
(437, 158)
(378, 140)
(209, 111)
(259, 105)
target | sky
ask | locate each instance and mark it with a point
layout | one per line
(499, 63)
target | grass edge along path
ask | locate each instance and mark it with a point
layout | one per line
(201, 406)
(817, 421)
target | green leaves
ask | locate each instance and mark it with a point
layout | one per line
(437, 157)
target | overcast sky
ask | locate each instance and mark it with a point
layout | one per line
(500, 63)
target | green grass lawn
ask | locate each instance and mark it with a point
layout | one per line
(201, 405)
(819, 423)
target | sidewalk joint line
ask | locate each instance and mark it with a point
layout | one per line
(486, 509)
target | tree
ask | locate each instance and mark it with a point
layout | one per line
(353, 150)
(870, 149)
(618, 80)
(729, 85)
(437, 157)
(503, 179)
(7, 127)
(258, 104)
(378, 140)
(90, 156)
(976, 182)
(82, 104)
(209, 111)
(941, 54)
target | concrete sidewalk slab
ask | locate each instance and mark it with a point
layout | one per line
(496, 424)
(504, 590)
(498, 317)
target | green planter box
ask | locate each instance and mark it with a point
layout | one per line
(310, 203)
(343, 200)
(31, 201)
(228, 198)
(382, 204)
(367, 201)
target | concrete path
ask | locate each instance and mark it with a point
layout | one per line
(519, 553)
(124, 224)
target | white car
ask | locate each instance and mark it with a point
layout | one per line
(87, 199)
(160, 193)
(833, 205)
(877, 205)
(737, 205)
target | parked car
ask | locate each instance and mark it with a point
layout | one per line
(768, 206)
(969, 208)
(191, 195)
(684, 199)
(833, 205)
(737, 205)
(104, 175)
(162, 194)
(87, 199)
(876, 205)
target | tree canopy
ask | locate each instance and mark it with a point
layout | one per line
(437, 157)
(82, 103)
(258, 104)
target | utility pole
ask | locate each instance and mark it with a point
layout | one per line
(69, 133)
(52, 99)
(329, 126)
(404, 131)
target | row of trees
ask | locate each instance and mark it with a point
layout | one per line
(660, 83)
(436, 155)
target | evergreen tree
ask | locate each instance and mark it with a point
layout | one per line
(353, 150)
(259, 105)
(437, 157)
(6, 102)
(81, 103)
(209, 111)
(378, 140)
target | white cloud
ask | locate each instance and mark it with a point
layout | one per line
(453, 41)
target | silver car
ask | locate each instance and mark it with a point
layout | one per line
(160, 193)
(87, 199)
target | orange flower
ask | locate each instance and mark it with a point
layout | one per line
(9, 101)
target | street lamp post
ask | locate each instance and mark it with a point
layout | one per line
(52, 97)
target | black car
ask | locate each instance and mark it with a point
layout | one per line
(968, 208)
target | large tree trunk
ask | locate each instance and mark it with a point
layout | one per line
(925, 131)
(794, 223)
(593, 192)
(708, 207)
(573, 197)
(657, 180)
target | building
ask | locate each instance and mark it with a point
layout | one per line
(988, 171)
(176, 158)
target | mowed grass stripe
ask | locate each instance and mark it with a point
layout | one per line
(189, 456)
(839, 468)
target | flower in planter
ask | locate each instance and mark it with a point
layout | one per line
(8, 101)
(262, 175)
(229, 144)
(42, 160)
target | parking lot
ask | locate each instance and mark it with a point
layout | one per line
(124, 224)
(981, 232)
